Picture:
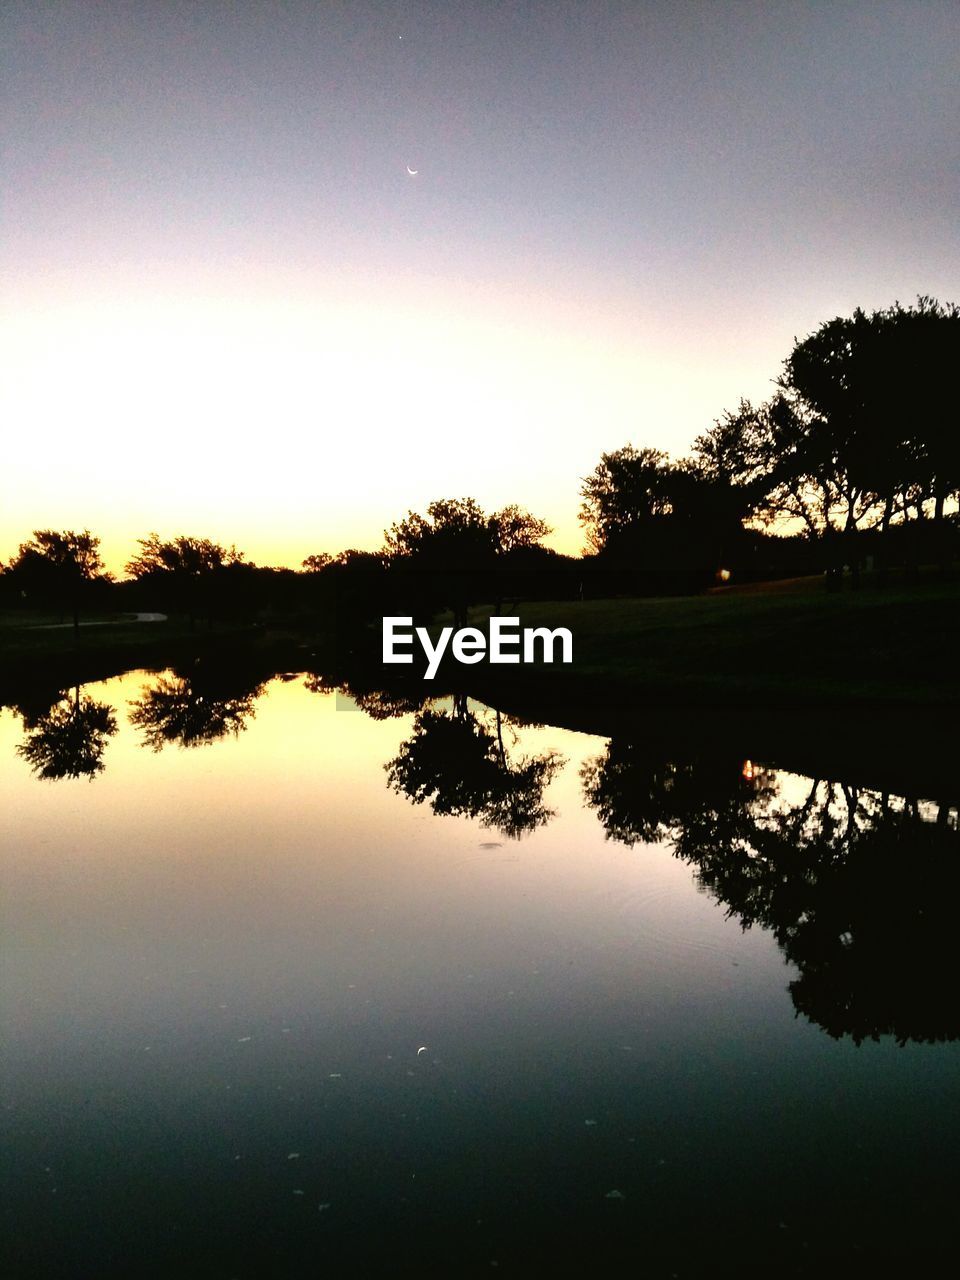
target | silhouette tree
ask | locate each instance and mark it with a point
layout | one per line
(189, 557)
(856, 435)
(514, 529)
(735, 452)
(351, 591)
(453, 761)
(931, 348)
(626, 491)
(669, 523)
(451, 556)
(69, 740)
(446, 553)
(317, 563)
(183, 570)
(193, 712)
(59, 565)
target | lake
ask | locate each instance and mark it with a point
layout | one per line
(296, 983)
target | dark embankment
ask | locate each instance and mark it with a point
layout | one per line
(33, 654)
(862, 686)
(878, 647)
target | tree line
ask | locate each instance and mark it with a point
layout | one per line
(448, 557)
(855, 455)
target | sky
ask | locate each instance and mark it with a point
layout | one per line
(229, 309)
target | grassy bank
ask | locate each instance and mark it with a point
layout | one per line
(852, 686)
(36, 649)
(785, 647)
(783, 644)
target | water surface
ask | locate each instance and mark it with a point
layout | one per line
(293, 989)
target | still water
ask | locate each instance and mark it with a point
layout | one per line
(291, 987)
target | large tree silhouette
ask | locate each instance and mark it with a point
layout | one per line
(185, 574)
(627, 490)
(673, 523)
(58, 565)
(876, 388)
(450, 556)
(858, 435)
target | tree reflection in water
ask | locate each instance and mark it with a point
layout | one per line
(378, 703)
(69, 739)
(860, 888)
(454, 761)
(193, 712)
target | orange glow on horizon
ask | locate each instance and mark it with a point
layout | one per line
(307, 416)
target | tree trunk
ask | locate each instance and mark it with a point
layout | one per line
(943, 555)
(884, 568)
(887, 514)
(850, 540)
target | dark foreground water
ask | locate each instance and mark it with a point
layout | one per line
(290, 989)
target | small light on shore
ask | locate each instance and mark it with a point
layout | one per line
(723, 575)
(747, 771)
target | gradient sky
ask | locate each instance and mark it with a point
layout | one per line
(228, 310)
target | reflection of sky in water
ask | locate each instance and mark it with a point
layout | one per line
(281, 854)
(217, 957)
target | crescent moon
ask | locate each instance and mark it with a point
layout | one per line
(412, 172)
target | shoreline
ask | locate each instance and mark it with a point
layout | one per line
(767, 677)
